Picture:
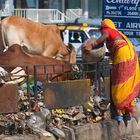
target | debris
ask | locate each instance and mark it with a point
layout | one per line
(34, 117)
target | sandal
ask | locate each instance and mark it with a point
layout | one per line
(119, 118)
(127, 117)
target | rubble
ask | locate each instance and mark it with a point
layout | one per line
(33, 117)
(47, 122)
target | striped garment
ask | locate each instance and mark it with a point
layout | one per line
(125, 72)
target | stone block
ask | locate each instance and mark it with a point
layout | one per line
(88, 132)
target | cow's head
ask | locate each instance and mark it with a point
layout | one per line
(69, 56)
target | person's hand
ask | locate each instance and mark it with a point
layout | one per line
(88, 45)
(86, 52)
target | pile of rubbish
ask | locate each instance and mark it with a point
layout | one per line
(33, 117)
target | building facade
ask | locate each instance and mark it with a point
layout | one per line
(90, 8)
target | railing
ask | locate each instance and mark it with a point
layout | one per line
(24, 83)
(74, 13)
(42, 15)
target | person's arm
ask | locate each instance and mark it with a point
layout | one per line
(91, 43)
(100, 40)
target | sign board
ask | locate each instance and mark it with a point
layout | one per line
(125, 14)
(66, 94)
(7, 8)
(8, 98)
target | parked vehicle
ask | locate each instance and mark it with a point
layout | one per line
(77, 34)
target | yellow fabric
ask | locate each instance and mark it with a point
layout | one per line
(123, 54)
(109, 23)
(123, 91)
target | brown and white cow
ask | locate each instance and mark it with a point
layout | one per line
(15, 56)
(38, 38)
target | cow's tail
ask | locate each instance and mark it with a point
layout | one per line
(5, 47)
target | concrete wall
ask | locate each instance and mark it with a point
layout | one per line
(105, 130)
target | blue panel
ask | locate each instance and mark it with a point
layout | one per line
(125, 14)
(0, 4)
(31, 3)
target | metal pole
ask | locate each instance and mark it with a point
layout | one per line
(63, 6)
(28, 88)
(37, 7)
(35, 81)
(85, 8)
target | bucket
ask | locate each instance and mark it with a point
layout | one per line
(94, 55)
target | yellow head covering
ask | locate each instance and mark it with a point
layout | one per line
(110, 24)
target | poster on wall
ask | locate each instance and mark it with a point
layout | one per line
(125, 14)
(7, 8)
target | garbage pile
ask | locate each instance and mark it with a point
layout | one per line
(33, 117)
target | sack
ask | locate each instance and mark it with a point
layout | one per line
(18, 75)
(94, 55)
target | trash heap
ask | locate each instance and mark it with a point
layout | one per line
(34, 118)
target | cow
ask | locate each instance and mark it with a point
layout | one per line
(34, 37)
(54, 69)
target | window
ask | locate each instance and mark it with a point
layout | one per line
(95, 8)
(43, 4)
(25, 3)
(31, 3)
(77, 36)
(94, 33)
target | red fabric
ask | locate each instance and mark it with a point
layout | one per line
(121, 72)
(112, 35)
